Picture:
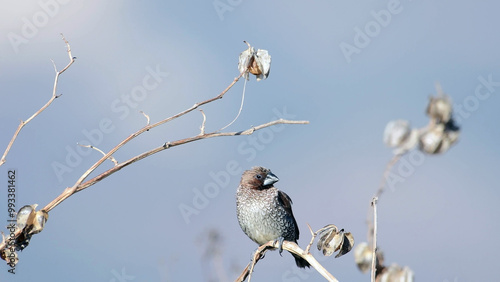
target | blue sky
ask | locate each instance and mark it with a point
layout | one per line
(442, 221)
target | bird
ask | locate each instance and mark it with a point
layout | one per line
(264, 212)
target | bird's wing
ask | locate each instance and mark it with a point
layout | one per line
(286, 202)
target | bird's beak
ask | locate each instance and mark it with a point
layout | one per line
(270, 179)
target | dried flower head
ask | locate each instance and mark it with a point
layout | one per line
(438, 138)
(399, 134)
(396, 273)
(439, 108)
(332, 240)
(257, 63)
(23, 214)
(363, 257)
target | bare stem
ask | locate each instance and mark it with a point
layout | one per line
(241, 107)
(374, 252)
(81, 186)
(291, 247)
(313, 236)
(111, 158)
(54, 96)
(387, 170)
(146, 116)
(379, 192)
(202, 128)
(68, 191)
(71, 190)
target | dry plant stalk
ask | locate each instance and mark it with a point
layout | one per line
(81, 185)
(374, 252)
(379, 192)
(54, 96)
(291, 247)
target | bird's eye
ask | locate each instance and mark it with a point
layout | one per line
(258, 176)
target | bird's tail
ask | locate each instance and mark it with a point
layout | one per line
(302, 263)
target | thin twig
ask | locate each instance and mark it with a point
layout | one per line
(111, 158)
(71, 190)
(379, 192)
(313, 236)
(169, 145)
(374, 252)
(293, 248)
(202, 128)
(259, 254)
(439, 90)
(241, 107)
(54, 96)
(387, 170)
(255, 258)
(147, 117)
(68, 192)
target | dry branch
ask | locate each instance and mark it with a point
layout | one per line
(202, 127)
(81, 185)
(68, 192)
(388, 168)
(111, 158)
(71, 190)
(374, 252)
(379, 192)
(54, 96)
(291, 247)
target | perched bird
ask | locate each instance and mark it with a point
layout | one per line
(264, 212)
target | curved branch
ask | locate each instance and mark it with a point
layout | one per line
(379, 192)
(68, 192)
(374, 250)
(387, 170)
(139, 132)
(291, 247)
(54, 96)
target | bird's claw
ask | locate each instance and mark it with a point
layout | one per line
(280, 246)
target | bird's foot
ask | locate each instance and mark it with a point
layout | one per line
(262, 255)
(280, 246)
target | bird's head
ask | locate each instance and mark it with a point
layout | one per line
(258, 178)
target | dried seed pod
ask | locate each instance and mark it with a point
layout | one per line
(332, 240)
(363, 257)
(399, 134)
(439, 138)
(23, 215)
(396, 273)
(329, 240)
(439, 108)
(39, 222)
(9, 256)
(347, 244)
(257, 63)
(22, 241)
